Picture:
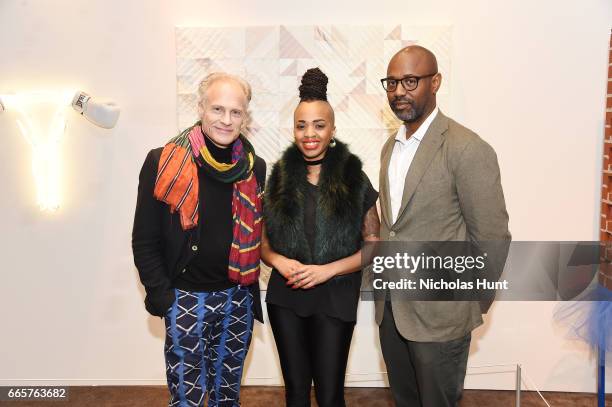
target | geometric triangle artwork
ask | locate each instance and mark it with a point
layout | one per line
(395, 34)
(291, 70)
(260, 42)
(360, 89)
(360, 71)
(273, 57)
(289, 47)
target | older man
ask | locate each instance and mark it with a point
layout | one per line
(439, 181)
(196, 245)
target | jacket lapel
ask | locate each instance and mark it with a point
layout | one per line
(431, 142)
(383, 182)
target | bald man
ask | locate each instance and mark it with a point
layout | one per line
(439, 181)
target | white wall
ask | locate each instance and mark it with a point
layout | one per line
(528, 76)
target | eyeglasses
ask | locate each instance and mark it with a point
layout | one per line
(410, 82)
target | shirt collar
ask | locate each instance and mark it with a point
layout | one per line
(420, 133)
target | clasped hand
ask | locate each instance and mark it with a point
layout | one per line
(304, 276)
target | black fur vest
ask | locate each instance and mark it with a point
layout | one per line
(339, 210)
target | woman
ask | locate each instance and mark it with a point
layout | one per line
(318, 208)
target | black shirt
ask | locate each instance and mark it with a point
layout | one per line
(208, 270)
(337, 297)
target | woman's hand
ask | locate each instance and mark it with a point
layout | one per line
(311, 275)
(288, 268)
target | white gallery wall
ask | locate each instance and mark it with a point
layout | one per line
(528, 76)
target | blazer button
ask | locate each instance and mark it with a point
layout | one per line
(392, 234)
(194, 248)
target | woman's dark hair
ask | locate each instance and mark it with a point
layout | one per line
(314, 85)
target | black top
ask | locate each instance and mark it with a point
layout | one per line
(337, 297)
(161, 248)
(207, 271)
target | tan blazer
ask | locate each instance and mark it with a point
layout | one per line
(452, 192)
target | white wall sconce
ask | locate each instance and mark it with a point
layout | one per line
(45, 144)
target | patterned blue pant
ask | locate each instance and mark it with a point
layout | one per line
(207, 339)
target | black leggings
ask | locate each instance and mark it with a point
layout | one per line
(313, 348)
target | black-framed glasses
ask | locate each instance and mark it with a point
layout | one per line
(409, 82)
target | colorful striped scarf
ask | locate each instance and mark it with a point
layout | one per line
(177, 185)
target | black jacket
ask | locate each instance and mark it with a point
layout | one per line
(161, 248)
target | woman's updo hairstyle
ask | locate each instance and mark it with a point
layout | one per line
(314, 85)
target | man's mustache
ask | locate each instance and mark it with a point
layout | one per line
(401, 100)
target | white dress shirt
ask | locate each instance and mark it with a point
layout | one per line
(401, 158)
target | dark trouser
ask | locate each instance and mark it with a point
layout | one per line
(426, 374)
(313, 348)
(207, 339)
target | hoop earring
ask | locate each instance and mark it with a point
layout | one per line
(332, 143)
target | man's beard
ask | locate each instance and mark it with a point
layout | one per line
(410, 116)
